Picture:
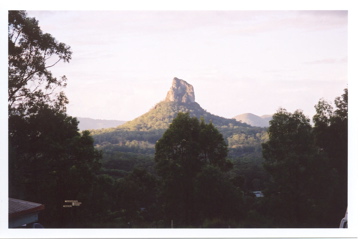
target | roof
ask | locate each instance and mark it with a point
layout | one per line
(19, 207)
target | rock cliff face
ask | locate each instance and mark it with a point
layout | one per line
(181, 92)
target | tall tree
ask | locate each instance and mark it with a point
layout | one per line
(49, 160)
(287, 155)
(185, 148)
(331, 135)
(31, 54)
(304, 182)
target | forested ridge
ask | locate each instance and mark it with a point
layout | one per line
(175, 166)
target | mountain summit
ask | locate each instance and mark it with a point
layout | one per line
(180, 98)
(180, 92)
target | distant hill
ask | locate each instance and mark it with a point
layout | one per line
(88, 123)
(254, 120)
(267, 117)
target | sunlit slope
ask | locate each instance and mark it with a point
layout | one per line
(161, 115)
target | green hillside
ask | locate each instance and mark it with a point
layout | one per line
(161, 115)
(144, 131)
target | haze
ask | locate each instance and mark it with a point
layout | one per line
(238, 61)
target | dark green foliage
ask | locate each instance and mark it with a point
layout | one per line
(123, 137)
(50, 161)
(305, 182)
(119, 164)
(132, 145)
(331, 136)
(182, 158)
(249, 169)
(217, 197)
(30, 81)
(287, 155)
(136, 195)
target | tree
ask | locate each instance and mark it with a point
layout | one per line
(331, 136)
(217, 197)
(136, 196)
(31, 54)
(287, 155)
(331, 131)
(49, 160)
(181, 154)
(303, 180)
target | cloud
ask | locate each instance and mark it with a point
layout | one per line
(264, 21)
(327, 61)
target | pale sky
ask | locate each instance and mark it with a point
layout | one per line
(237, 61)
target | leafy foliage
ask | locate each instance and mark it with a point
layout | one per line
(217, 197)
(30, 50)
(288, 154)
(49, 160)
(301, 162)
(331, 136)
(182, 154)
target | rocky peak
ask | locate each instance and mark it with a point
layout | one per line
(181, 92)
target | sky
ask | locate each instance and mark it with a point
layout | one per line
(238, 62)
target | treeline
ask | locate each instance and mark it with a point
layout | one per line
(308, 167)
(124, 150)
(302, 173)
(305, 184)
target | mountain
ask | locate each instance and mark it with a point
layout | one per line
(141, 134)
(267, 117)
(254, 120)
(180, 98)
(132, 144)
(88, 123)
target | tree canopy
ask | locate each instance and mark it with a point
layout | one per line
(287, 158)
(31, 55)
(182, 155)
(331, 136)
(308, 166)
(49, 160)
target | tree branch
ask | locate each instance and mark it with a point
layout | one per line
(53, 64)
